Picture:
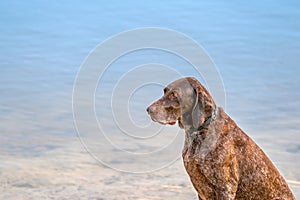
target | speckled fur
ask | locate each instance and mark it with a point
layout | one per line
(222, 161)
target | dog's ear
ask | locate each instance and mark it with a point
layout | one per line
(203, 103)
(197, 111)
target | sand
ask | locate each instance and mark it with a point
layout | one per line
(71, 173)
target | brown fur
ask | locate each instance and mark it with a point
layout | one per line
(221, 160)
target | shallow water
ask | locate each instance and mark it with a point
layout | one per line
(255, 46)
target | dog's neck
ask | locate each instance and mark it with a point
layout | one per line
(205, 136)
(185, 121)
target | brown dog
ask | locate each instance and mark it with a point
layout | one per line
(221, 160)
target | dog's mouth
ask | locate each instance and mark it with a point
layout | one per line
(163, 122)
(172, 123)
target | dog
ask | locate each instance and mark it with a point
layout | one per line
(221, 160)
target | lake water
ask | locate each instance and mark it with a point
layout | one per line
(255, 46)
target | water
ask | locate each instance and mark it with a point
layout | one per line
(255, 46)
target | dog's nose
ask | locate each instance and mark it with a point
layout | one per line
(150, 109)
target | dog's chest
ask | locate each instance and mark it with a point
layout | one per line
(199, 144)
(195, 155)
(198, 175)
(198, 163)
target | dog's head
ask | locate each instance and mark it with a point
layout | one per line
(186, 101)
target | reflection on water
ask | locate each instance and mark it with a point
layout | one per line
(254, 44)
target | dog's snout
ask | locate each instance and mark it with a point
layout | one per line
(150, 109)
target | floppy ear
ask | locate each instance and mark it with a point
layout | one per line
(203, 103)
(196, 112)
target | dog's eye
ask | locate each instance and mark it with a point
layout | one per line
(173, 96)
(166, 90)
(169, 108)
